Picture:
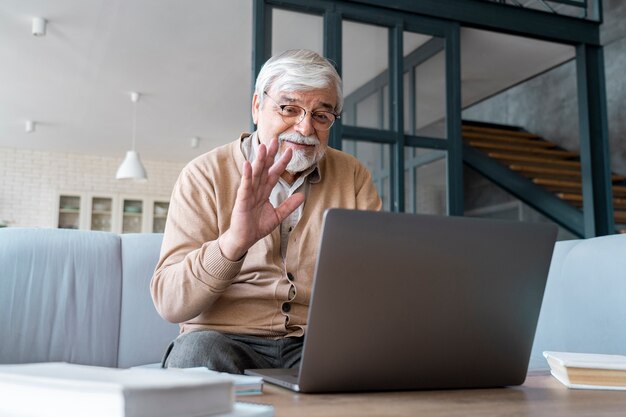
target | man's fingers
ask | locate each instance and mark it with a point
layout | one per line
(279, 166)
(258, 166)
(276, 171)
(288, 206)
(272, 149)
(246, 178)
(269, 161)
(245, 187)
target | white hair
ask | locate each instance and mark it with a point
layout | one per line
(298, 70)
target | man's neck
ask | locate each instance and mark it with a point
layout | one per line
(289, 177)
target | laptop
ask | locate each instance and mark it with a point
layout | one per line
(413, 302)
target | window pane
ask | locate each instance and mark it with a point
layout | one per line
(364, 74)
(425, 181)
(368, 112)
(294, 30)
(376, 157)
(425, 85)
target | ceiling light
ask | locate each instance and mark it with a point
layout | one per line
(39, 26)
(132, 168)
(29, 126)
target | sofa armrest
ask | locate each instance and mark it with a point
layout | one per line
(584, 307)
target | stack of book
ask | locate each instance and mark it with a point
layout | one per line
(58, 389)
(588, 370)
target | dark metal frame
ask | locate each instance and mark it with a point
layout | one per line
(444, 18)
(594, 144)
(586, 8)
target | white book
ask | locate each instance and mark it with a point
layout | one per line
(244, 384)
(588, 370)
(56, 389)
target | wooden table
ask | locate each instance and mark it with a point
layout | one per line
(540, 395)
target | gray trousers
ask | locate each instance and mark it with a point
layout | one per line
(231, 353)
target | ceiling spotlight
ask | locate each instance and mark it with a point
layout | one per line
(39, 26)
(194, 142)
(29, 126)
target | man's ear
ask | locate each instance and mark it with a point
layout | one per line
(255, 108)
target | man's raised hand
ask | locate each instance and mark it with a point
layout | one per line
(253, 215)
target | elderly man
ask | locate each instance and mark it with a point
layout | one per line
(242, 234)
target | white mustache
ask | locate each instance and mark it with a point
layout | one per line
(295, 137)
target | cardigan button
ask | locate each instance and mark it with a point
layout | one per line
(286, 307)
(290, 276)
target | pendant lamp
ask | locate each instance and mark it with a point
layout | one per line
(132, 168)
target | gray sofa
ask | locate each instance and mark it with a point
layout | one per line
(79, 296)
(83, 297)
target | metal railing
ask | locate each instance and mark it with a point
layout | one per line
(583, 9)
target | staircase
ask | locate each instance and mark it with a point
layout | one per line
(542, 162)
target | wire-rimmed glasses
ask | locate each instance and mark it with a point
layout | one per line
(292, 115)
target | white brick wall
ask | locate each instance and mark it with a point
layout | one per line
(31, 181)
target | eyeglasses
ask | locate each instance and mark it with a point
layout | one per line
(292, 115)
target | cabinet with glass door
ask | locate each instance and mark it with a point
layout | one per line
(69, 211)
(159, 215)
(111, 213)
(143, 214)
(101, 213)
(132, 215)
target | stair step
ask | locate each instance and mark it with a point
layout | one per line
(535, 159)
(507, 132)
(620, 216)
(524, 149)
(559, 184)
(542, 171)
(508, 139)
(561, 189)
(533, 169)
(578, 198)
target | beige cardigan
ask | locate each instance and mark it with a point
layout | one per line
(194, 285)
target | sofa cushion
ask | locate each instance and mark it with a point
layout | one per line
(59, 296)
(144, 335)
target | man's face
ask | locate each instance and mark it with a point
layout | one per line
(307, 143)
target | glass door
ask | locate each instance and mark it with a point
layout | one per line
(102, 214)
(69, 212)
(132, 216)
(159, 215)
